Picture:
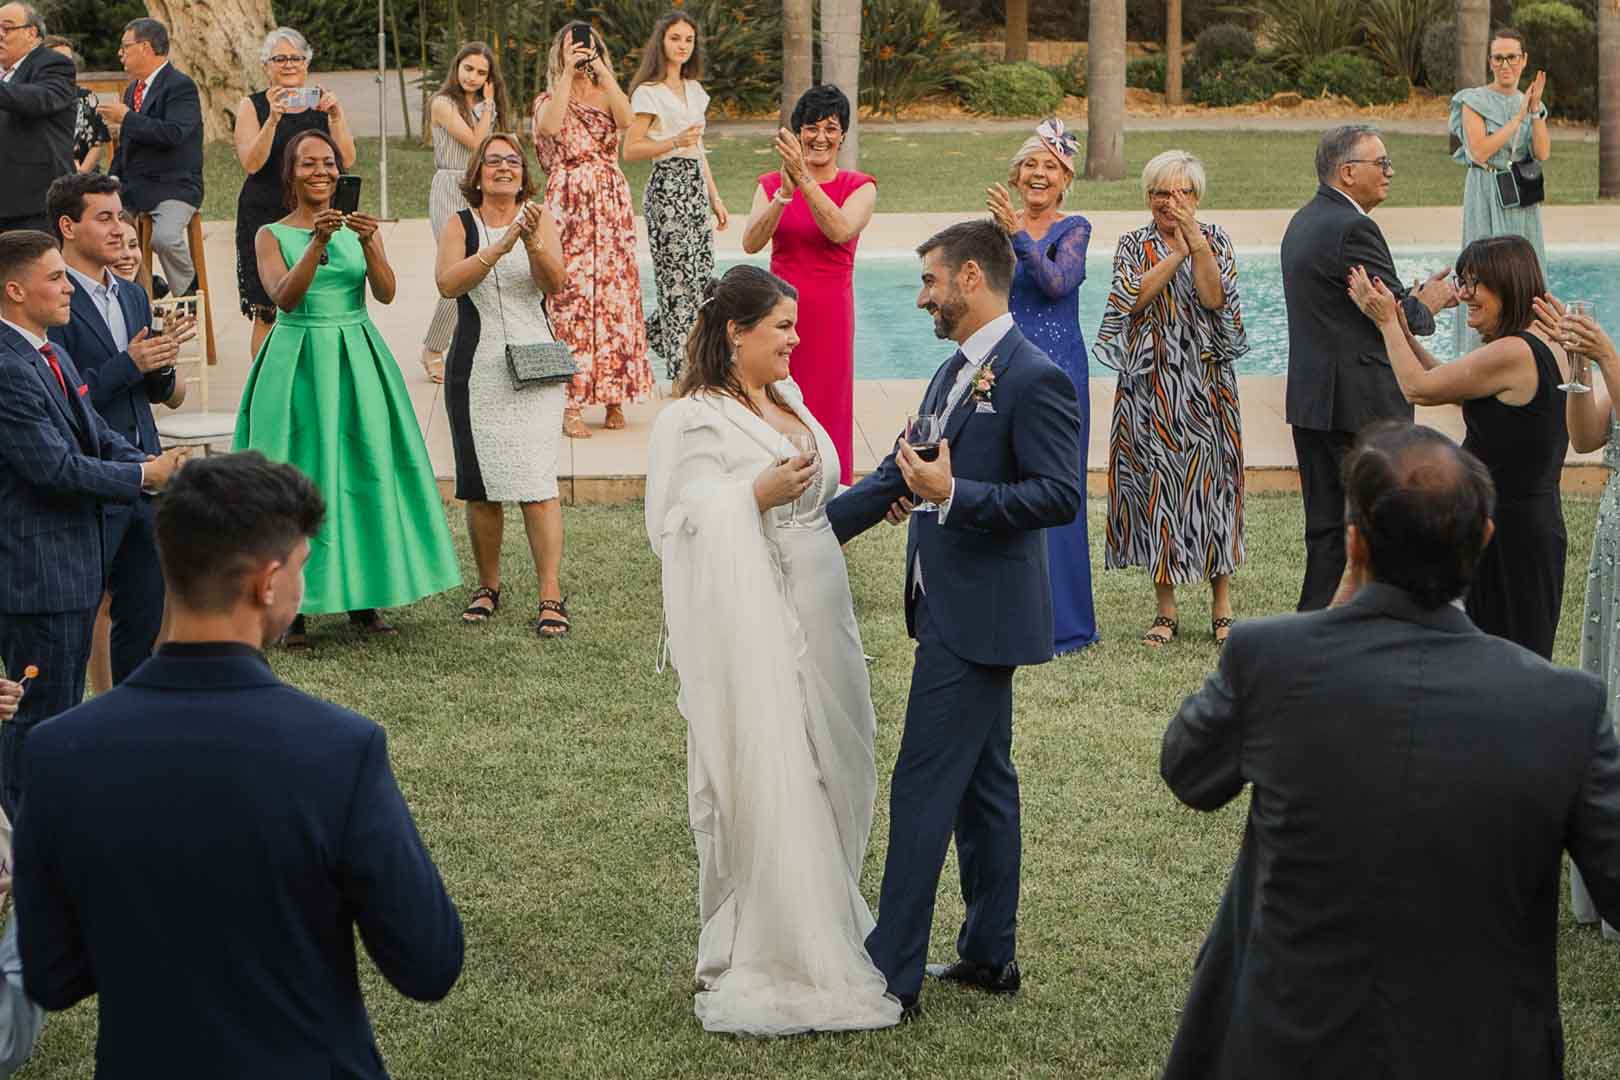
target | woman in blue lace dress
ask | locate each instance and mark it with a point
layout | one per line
(1045, 302)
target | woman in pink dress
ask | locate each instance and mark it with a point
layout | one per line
(577, 122)
(812, 212)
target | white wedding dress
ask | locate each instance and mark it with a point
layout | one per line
(778, 707)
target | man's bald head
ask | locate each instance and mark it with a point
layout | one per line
(1422, 505)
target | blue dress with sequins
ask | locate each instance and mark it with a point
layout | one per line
(1045, 304)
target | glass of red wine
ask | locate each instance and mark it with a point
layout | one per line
(922, 435)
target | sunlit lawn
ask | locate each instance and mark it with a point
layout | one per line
(549, 779)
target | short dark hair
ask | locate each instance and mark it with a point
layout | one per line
(980, 240)
(1421, 502)
(150, 31)
(65, 199)
(289, 162)
(1507, 266)
(226, 515)
(1337, 146)
(22, 248)
(818, 103)
(472, 181)
(1510, 34)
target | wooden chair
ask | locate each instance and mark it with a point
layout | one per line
(192, 426)
(199, 261)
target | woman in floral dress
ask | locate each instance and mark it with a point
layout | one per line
(577, 123)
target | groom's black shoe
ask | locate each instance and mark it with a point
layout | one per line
(910, 1010)
(979, 976)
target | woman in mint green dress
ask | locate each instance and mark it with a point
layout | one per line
(1496, 125)
(325, 395)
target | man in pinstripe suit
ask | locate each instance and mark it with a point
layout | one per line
(59, 462)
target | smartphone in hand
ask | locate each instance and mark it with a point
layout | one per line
(346, 199)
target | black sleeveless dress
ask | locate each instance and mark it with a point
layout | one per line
(260, 202)
(1519, 588)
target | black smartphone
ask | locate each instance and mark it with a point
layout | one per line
(346, 199)
(581, 35)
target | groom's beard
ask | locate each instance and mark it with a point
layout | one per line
(948, 316)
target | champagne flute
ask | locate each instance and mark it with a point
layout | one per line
(922, 435)
(1580, 365)
(804, 445)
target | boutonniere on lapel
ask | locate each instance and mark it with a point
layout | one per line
(84, 388)
(983, 387)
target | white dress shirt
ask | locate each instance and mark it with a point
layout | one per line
(5, 76)
(146, 84)
(28, 335)
(1351, 200)
(104, 294)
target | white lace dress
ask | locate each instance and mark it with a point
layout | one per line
(774, 690)
(506, 441)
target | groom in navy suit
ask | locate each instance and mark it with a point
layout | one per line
(978, 603)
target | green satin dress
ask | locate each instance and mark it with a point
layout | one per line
(325, 395)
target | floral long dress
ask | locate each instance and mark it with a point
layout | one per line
(597, 313)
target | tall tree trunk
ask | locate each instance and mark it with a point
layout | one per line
(1473, 43)
(841, 66)
(1172, 52)
(1105, 82)
(1609, 99)
(1017, 30)
(216, 42)
(798, 28)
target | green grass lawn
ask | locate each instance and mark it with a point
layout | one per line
(549, 779)
(943, 172)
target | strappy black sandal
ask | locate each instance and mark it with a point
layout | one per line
(553, 619)
(370, 621)
(1217, 625)
(476, 612)
(1158, 641)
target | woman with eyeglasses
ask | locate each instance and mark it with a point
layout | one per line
(266, 122)
(1172, 326)
(1496, 125)
(812, 213)
(1515, 415)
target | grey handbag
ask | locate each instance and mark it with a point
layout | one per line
(536, 363)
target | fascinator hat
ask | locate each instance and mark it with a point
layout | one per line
(1062, 144)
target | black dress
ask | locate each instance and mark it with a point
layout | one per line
(260, 203)
(1519, 588)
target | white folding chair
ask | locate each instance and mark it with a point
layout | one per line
(193, 424)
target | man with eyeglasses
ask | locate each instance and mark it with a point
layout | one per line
(160, 146)
(37, 102)
(1339, 378)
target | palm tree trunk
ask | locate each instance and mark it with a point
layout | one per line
(841, 66)
(1172, 52)
(1105, 80)
(1609, 99)
(1473, 42)
(217, 44)
(797, 26)
(1017, 31)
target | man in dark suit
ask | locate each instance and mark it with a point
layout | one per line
(127, 368)
(160, 146)
(1339, 378)
(59, 463)
(1394, 908)
(37, 103)
(199, 844)
(978, 603)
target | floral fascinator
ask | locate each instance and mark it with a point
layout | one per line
(1064, 146)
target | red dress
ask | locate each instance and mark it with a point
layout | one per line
(823, 364)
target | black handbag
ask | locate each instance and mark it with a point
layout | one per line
(1527, 174)
(535, 363)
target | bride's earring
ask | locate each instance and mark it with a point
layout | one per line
(733, 352)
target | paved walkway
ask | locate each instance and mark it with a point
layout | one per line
(611, 466)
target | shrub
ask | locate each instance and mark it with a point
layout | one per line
(909, 49)
(1223, 43)
(1236, 83)
(1147, 73)
(1352, 76)
(1022, 89)
(1072, 75)
(1394, 30)
(1308, 29)
(1440, 56)
(1562, 41)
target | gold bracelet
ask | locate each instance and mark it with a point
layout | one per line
(485, 263)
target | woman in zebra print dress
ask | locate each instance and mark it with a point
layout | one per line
(1172, 326)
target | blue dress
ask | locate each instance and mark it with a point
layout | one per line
(1045, 304)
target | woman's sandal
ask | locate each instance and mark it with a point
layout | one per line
(296, 636)
(370, 621)
(1157, 641)
(574, 426)
(1217, 625)
(615, 418)
(476, 612)
(433, 365)
(553, 619)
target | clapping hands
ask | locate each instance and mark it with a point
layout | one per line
(999, 202)
(1373, 297)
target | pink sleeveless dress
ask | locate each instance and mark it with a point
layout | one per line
(824, 363)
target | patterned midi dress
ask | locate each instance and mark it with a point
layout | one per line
(598, 311)
(1175, 449)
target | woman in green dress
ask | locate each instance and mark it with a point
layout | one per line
(325, 395)
(1496, 125)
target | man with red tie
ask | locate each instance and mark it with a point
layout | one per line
(59, 463)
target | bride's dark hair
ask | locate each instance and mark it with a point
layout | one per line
(742, 297)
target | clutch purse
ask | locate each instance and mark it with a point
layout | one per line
(1527, 175)
(540, 363)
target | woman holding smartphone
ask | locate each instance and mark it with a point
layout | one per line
(265, 123)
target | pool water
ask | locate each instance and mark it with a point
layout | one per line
(894, 340)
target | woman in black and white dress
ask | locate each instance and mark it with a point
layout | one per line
(498, 260)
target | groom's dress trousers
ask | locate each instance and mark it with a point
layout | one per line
(978, 602)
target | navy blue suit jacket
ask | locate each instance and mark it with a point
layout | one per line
(58, 461)
(1017, 474)
(160, 148)
(197, 849)
(120, 392)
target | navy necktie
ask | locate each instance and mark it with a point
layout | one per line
(942, 390)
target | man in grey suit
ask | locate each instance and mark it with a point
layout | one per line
(1394, 908)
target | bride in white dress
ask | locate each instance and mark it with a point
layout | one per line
(773, 683)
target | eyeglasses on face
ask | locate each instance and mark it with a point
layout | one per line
(288, 58)
(1385, 165)
(6, 28)
(1506, 58)
(829, 131)
(495, 161)
(126, 46)
(1165, 195)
